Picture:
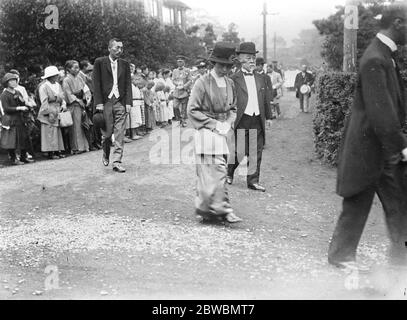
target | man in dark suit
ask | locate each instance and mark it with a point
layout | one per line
(303, 78)
(253, 108)
(260, 70)
(113, 97)
(374, 147)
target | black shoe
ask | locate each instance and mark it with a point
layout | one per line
(257, 187)
(26, 160)
(117, 167)
(16, 162)
(229, 180)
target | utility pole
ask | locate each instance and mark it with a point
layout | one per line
(275, 45)
(350, 35)
(265, 30)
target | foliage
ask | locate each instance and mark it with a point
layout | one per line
(334, 97)
(84, 32)
(232, 35)
(332, 29)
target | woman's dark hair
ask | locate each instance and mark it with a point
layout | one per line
(69, 64)
(84, 64)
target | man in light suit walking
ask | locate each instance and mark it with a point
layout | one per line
(113, 97)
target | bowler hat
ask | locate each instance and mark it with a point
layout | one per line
(259, 61)
(246, 47)
(7, 77)
(222, 53)
(99, 120)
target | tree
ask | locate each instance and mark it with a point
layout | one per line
(232, 35)
(84, 33)
(332, 29)
(210, 36)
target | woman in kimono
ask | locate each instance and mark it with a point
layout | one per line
(52, 104)
(74, 88)
(212, 111)
(14, 135)
(162, 101)
(150, 106)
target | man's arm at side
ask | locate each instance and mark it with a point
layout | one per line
(97, 82)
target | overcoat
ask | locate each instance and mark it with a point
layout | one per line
(373, 131)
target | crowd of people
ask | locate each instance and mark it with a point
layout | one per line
(159, 98)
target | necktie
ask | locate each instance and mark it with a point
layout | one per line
(247, 73)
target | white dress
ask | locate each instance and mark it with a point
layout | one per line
(134, 119)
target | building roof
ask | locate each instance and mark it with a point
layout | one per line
(175, 4)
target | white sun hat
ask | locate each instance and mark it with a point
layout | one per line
(50, 72)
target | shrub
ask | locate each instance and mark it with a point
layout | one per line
(334, 97)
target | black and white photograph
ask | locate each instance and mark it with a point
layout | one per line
(218, 150)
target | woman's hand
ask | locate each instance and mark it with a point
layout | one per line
(23, 108)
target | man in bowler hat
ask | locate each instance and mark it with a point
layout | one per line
(253, 116)
(374, 148)
(113, 97)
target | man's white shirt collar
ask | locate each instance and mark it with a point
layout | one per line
(112, 61)
(387, 41)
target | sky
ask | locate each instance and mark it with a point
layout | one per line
(292, 15)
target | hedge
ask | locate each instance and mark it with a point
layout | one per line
(334, 98)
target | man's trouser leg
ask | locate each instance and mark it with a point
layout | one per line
(184, 105)
(355, 212)
(254, 145)
(350, 225)
(392, 197)
(306, 102)
(177, 109)
(119, 130)
(301, 102)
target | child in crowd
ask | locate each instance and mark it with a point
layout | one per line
(134, 120)
(162, 110)
(150, 104)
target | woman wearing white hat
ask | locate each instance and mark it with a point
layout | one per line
(52, 103)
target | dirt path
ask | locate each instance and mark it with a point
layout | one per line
(135, 235)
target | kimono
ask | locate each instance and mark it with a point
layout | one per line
(212, 112)
(52, 101)
(149, 101)
(74, 90)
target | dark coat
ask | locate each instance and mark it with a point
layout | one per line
(373, 132)
(263, 96)
(269, 85)
(300, 81)
(103, 81)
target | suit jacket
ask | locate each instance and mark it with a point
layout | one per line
(263, 97)
(373, 133)
(103, 81)
(269, 85)
(300, 80)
